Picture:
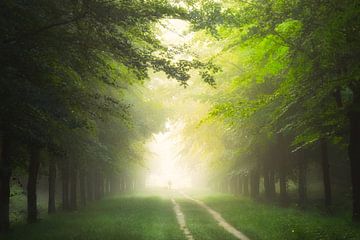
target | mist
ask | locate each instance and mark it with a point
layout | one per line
(179, 120)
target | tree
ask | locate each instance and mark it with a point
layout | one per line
(60, 65)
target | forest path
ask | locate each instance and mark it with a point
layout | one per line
(218, 218)
(181, 220)
(150, 215)
(145, 215)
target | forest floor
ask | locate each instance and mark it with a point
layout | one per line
(151, 216)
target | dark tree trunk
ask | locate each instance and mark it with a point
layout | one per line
(82, 188)
(114, 184)
(272, 183)
(326, 173)
(283, 188)
(73, 186)
(267, 186)
(90, 185)
(97, 189)
(101, 186)
(52, 186)
(254, 183)
(271, 167)
(234, 185)
(105, 186)
(246, 185)
(65, 184)
(33, 170)
(302, 189)
(5, 175)
(354, 155)
(338, 98)
(283, 154)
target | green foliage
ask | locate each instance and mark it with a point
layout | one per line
(68, 71)
(287, 69)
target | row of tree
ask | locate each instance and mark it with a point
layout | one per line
(67, 101)
(289, 89)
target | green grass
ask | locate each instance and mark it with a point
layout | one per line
(200, 223)
(149, 218)
(144, 217)
(265, 222)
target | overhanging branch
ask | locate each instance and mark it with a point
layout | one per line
(20, 38)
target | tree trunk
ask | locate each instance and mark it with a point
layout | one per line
(52, 186)
(73, 186)
(107, 185)
(114, 184)
(326, 173)
(254, 183)
(101, 186)
(239, 184)
(234, 185)
(283, 188)
(97, 194)
(90, 185)
(283, 171)
(246, 185)
(302, 188)
(5, 175)
(32, 183)
(65, 184)
(272, 184)
(354, 155)
(82, 188)
(267, 186)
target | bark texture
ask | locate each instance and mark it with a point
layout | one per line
(52, 186)
(302, 180)
(354, 155)
(33, 170)
(326, 173)
(73, 186)
(5, 175)
(65, 184)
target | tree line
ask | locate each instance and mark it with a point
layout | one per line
(67, 89)
(288, 94)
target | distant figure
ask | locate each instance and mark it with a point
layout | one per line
(169, 185)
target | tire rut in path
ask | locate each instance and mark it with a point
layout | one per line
(221, 221)
(181, 220)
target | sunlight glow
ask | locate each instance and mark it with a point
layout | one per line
(165, 165)
(175, 32)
